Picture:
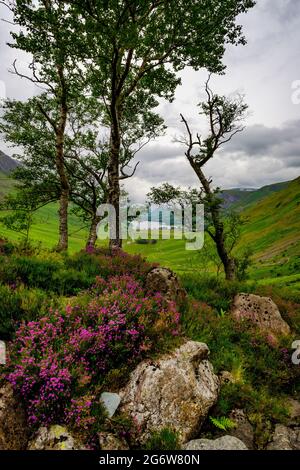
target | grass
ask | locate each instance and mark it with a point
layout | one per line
(45, 229)
(272, 231)
(6, 184)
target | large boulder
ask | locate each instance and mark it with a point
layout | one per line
(13, 426)
(285, 438)
(175, 391)
(55, 437)
(163, 280)
(222, 443)
(262, 312)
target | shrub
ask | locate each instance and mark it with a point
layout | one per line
(66, 275)
(30, 271)
(19, 303)
(58, 362)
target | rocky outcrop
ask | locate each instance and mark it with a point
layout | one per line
(285, 438)
(54, 438)
(262, 312)
(13, 427)
(222, 443)
(243, 430)
(176, 391)
(108, 441)
(163, 280)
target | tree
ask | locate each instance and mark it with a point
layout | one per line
(44, 34)
(225, 121)
(136, 49)
(176, 199)
(85, 152)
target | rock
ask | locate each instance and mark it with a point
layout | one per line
(285, 438)
(55, 437)
(243, 430)
(163, 280)
(176, 392)
(222, 443)
(111, 402)
(226, 377)
(13, 426)
(262, 312)
(108, 441)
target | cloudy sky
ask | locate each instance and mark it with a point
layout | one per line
(265, 71)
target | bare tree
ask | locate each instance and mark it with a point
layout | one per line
(225, 117)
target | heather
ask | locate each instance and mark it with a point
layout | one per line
(59, 362)
(79, 324)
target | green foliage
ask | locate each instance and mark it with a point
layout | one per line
(165, 439)
(223, 423)
(19, 303)
(215, 291)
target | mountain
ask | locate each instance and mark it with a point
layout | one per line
(273, 231)
(241, 198)
(7, 164)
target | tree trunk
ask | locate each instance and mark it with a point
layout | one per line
(64, 195)
(64, 182)
(115, 241)
(219, 236)
(92, 238)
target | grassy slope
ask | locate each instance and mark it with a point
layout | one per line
(45, 228)
(273, 231)
(6, 184)
(274, 222)
(241, 200)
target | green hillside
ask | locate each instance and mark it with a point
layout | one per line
(6, 184)
(240, 199)
(273, 232)
(45, 229)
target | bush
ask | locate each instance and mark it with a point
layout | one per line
(58, 362)
(18, 304)
(66, 275)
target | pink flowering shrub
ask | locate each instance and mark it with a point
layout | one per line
(58, 363)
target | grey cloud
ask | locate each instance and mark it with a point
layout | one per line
(281, 143)
(267, 151)
(261, 155)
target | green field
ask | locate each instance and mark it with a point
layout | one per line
(45, 230)
(272, 231)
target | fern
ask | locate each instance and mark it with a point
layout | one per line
(223, 423)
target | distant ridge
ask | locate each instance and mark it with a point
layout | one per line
(239, 199)
(7, 164)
